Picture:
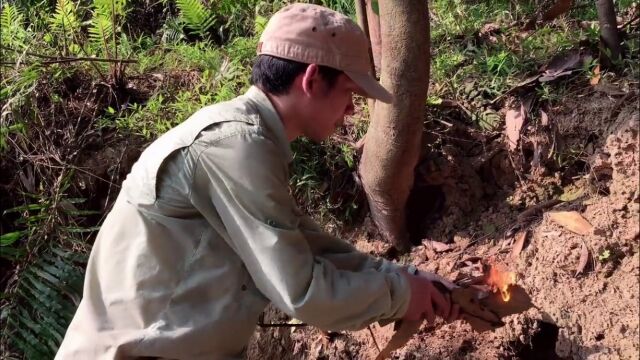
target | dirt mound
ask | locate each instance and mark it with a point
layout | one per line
(590, 315)
(597, 313)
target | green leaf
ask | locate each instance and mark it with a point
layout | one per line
(26, 207)
(434, 100)
(604, 256)
(43, 303)
(195, 15)
(101, 32)
(65, 20)
(76, 229)
(9, 238)
(259, 24)
(375, 7)
(12, 254)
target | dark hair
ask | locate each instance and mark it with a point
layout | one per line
(275, 75)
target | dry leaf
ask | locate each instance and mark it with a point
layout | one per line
(563, 64)
(404, 332)
(437, 246)
(560, 7)
(584, 258)
(514, 122)
(544, 118)
(596, 76)
(572, 221)
(518, 245)
(548, 76)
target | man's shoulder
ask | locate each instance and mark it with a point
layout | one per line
(227, 119)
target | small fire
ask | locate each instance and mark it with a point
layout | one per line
(500, 280)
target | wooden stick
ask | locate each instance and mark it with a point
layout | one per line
(374, 338)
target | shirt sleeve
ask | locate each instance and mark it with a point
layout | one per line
(342, 254)
(245, 178)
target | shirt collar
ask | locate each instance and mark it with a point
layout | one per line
(271, 119)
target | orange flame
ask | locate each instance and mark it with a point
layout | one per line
(500, 280)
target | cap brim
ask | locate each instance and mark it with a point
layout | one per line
(370, 86)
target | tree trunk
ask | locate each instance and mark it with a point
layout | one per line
(393, 140)
(373, 20)
(361, 15)
(609, 35)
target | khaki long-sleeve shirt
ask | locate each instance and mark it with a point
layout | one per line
(203, 234)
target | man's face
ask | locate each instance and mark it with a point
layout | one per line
(325, 108)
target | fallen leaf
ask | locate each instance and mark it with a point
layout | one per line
(568, 60)
(404, 331)
(514, 121)
(548, 76)
(560, 7)
(437, 246)
(571, 194)
(596, 76)
(584, 258)
(528, 81)
(470, 261)
(572, 221)
(518, 245)
(544, 118)
(563, 64)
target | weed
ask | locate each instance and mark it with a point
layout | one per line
(604, 255)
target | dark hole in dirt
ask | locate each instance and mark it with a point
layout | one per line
(71, 84)
(466, 347)
(528, 154)
(599, 337)
(576, 168)
(424, 207)
(542, 345)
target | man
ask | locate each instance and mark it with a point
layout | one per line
(205, 233)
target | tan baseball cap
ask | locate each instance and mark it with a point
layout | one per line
(313, 34)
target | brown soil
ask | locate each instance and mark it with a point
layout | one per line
(592, 315)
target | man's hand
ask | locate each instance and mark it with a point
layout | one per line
(427, 301)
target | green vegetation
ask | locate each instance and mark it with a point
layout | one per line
(80, 79)
(480, 50)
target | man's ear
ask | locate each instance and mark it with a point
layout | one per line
(310, 79)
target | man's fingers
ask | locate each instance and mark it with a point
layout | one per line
(439, 300)
(455, 313)
(447, 310)
(431, 316)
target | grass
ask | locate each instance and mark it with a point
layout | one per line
(474, 68)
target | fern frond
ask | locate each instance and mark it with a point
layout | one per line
(12, 25)
(195, 15)
(65, 19)
(110, 8)
(43, 304)
(10, 17)
(172, 31)
(100, 32)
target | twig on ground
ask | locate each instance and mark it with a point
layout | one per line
(374, 338)
(533, 211)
